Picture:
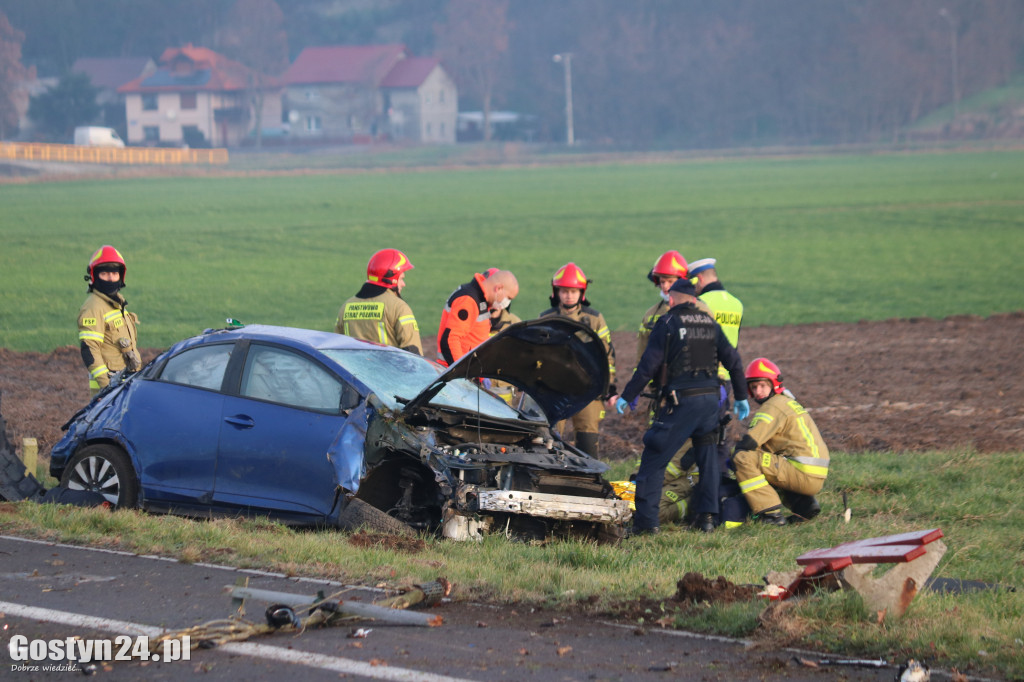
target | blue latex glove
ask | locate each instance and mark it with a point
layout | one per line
(633, 403)
(487, 384)
(621, 405)
(741, 408)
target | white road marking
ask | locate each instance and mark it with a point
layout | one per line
(264, 651)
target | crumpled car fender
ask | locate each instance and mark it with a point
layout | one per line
(346, 453)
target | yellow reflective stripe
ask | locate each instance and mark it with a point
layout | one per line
(90, 336)
(604, 333)
(760, 417)
(94, 385)
(112, 315)
(808, 436)
(796, 407)
(382, 333)
(733, 524)
(407, 319)
(642, 328)
(673, 469)
(99, 371)
(818, 472)
(752, 484)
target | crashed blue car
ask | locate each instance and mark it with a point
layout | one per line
(315, 428)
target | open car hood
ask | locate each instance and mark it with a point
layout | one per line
(560, 363)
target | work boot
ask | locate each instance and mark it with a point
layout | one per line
(587, 442)
(804, 507)
(635, 532)
(772, 517)
(705, 523)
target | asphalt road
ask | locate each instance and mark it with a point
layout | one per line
(52, 592)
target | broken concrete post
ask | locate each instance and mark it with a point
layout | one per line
(892, 592)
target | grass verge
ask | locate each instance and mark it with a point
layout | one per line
(971, 497)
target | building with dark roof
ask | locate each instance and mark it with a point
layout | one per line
(356, 93)
(198, 97)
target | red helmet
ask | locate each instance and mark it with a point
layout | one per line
(670, 264)
(103, 256)
(763, 368)
(570, 276)
(386, 266)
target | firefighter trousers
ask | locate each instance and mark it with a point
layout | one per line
(760, 473)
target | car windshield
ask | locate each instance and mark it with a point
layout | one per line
(405, 375)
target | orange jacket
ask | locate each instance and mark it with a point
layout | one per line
(465, 322)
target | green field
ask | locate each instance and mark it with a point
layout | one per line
(836, 238)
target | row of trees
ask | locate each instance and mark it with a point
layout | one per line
(645, 72)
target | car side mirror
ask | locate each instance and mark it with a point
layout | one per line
(349, 398)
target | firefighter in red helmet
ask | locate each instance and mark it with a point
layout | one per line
(107, 332)
(378, 312)
(569, 299)
(782, 453)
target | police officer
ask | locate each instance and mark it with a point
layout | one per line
(689, 344)
(378, 312)
(569, 299)
(783, 450)
(107, 332)
(728, 313)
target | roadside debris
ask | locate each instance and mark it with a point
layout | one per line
(850, 566)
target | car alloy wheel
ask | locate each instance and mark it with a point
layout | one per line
(104, 469)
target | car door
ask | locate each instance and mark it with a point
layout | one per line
(276, 432)
(174, 425)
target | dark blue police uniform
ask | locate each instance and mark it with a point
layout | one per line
(691, 344)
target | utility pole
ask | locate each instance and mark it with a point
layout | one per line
(566, 60)
(944, 13)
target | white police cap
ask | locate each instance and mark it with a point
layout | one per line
(701, 265)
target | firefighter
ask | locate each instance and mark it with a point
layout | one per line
(783, 451)
(107, 332)
(378, 312)
(466, 318)
(669, 267)
(689, 344)
(569, 299)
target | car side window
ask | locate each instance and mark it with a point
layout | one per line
(284, 377)
(202, 367)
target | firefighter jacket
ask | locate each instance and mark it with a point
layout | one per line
(379, 314)
(650, 318)
(465, 321)
(690, 344)
(781, 426)
(728, 312)
(106, 335)
(595, 320)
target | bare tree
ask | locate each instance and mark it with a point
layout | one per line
(255, 36)
(473, 43)
(13, 74)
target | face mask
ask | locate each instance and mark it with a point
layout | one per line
(502, 304)
(665, 297)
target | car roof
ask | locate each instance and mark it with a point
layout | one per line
(309, 338)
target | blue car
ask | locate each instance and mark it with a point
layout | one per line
(315, 428)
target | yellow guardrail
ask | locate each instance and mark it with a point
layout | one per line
(34, 151)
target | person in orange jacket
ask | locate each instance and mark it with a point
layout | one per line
(466, 318)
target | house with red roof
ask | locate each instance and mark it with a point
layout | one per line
(198, 97)
(355, 93)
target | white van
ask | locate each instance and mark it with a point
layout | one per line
(97, 136)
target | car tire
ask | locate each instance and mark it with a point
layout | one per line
(359, 514)
(105, 469)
